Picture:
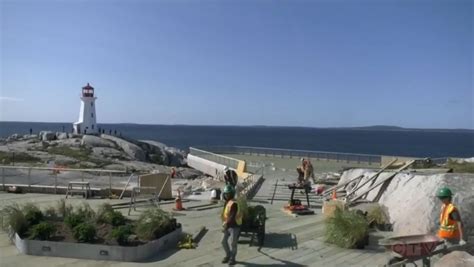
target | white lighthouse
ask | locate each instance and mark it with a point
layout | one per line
(87, 116)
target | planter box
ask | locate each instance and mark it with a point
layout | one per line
(95, 251)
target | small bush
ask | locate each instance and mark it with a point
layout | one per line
(460, 167)
(42, 231)
(73, 220)
(33, 214)
(84, 232)
(85, 211)
(50, 213)
(154, 223)
(377, 215)
(80, 215)
(346, 229)
(243, 206)
(122, 233)
(107, 214)
(15, 219)
(63, 209)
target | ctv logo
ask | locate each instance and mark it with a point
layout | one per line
(413, 250)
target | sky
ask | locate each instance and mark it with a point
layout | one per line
(287, 63)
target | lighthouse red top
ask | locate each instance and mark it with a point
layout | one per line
(88, 91)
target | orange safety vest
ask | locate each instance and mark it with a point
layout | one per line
(448, 228)
(226, 213)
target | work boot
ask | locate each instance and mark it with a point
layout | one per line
(225, 260)
(232, 262)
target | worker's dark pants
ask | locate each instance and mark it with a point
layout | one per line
(233, 234)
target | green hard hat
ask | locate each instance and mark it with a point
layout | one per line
(229, 189)
(444, 192)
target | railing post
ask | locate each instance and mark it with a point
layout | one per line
(55, 182)
(3, 179)
(29, 180)
(110, 184)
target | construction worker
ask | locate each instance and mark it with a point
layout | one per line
(450, 228)
(231, 222)
(301, 171)
(308, 171)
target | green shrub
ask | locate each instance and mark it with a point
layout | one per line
(346, 228)
(122, 233)
(84, 232)
(153, 223)
(15, 219)
(85, 211)
(33, 214)
(42, 231)
(63, 209)
(244, 209)
(73, 220)
(50, 213)
(460, 167)
(377, 215)
(82, 214)
(107, 214)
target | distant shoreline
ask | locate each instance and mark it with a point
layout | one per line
(362, 128)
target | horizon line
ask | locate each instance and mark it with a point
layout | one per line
(366, 127)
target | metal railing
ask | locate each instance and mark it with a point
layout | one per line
(294, 153)
(227, 161)
(60, 177)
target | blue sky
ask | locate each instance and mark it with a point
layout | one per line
(291, 63)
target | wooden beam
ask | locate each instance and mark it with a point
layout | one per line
(408, 164)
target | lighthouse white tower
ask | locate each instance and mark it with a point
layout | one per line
(87, 116)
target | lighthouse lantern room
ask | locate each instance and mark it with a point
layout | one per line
(87, 116)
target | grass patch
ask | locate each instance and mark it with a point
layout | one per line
(460, 167)
(12, 157)
(81, 154)
(346, 229)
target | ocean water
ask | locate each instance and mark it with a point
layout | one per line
(425, 143)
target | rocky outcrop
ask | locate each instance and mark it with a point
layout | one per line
(165, 155)
(94, 141)
(107, 152)
(132, 150)
(411, 202)
(47, 136)
(62, 136)
(76, 150)
(456, 259)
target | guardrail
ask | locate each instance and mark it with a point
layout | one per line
(54, 177)
(293, 153)
(209, 155)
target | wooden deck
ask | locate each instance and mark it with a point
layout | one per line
(289, 241)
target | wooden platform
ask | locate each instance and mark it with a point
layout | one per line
(289, 241)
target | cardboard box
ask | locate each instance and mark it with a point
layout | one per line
(330, 206)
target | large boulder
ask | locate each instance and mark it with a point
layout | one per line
(13, 137)
(456, 259)
(176, 156)
(162, 154)
(107, 152)
(411, 202)
(94, 141)
(132, 150)
(47, 136)
(61, 136)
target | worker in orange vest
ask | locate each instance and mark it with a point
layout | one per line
(231, 222)
(450, 224)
